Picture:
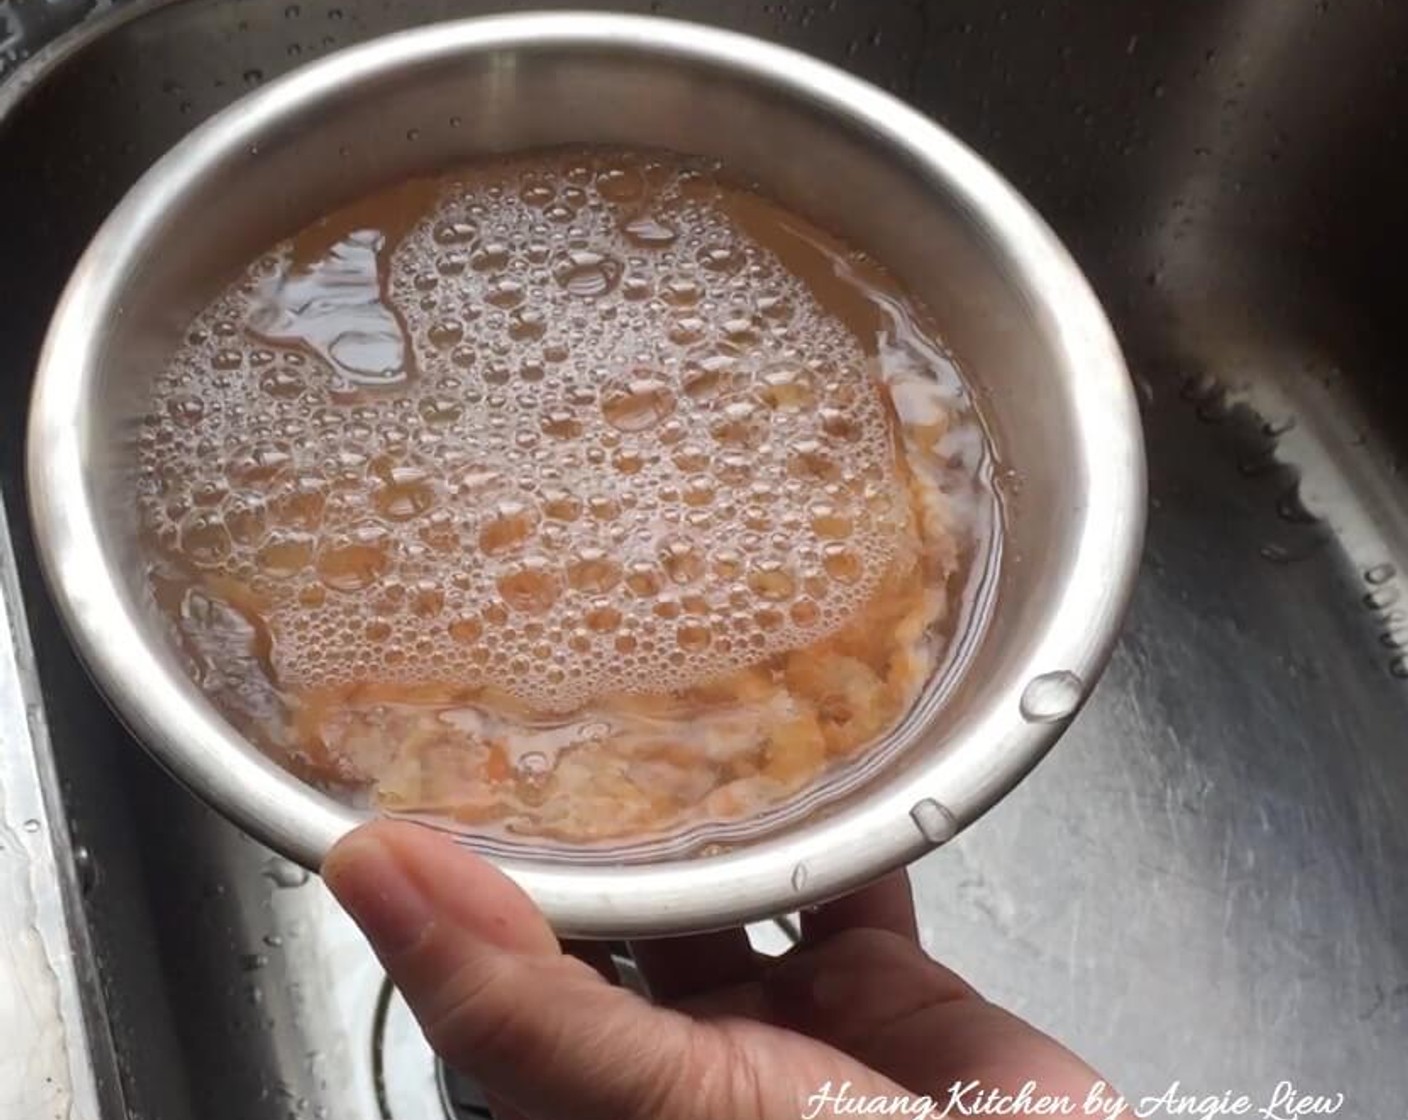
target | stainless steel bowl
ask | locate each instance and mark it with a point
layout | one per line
(1006, 296)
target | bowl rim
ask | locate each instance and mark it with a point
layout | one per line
(797, 867)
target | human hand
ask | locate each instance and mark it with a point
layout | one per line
(730, 1036)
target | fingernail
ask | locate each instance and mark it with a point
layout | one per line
(382, 898)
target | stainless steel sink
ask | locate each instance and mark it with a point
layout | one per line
(1207, 879)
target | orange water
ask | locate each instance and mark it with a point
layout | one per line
(583, 495)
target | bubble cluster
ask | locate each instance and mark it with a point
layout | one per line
(577, 433)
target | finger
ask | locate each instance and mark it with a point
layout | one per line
(886, 904)
(596, 955)
(538, 1030)
(742, 1001)
(677, 968)
(875, 995)
(856, 983)
(410, 858)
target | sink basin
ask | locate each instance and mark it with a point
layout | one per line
(1204, 882)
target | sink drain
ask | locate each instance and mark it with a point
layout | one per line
(410, 1082)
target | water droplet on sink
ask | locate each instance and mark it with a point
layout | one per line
(1198, 387)
(1257, 463)
(800, 874)
(1287, 554)
(1399, 666)
(935, 823)
(1380, 573)
(31, 826)
(86, 867)
(1290, 507)
(285, 874)
(253, 962)
(1051, 697)
(1381, 598)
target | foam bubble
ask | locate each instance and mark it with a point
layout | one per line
(621, 423)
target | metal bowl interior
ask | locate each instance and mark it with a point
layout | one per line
(1008, 299)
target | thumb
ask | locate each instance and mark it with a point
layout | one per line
(499, 1000)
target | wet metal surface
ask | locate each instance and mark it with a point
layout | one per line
(1206, 880)
(47, 1069)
